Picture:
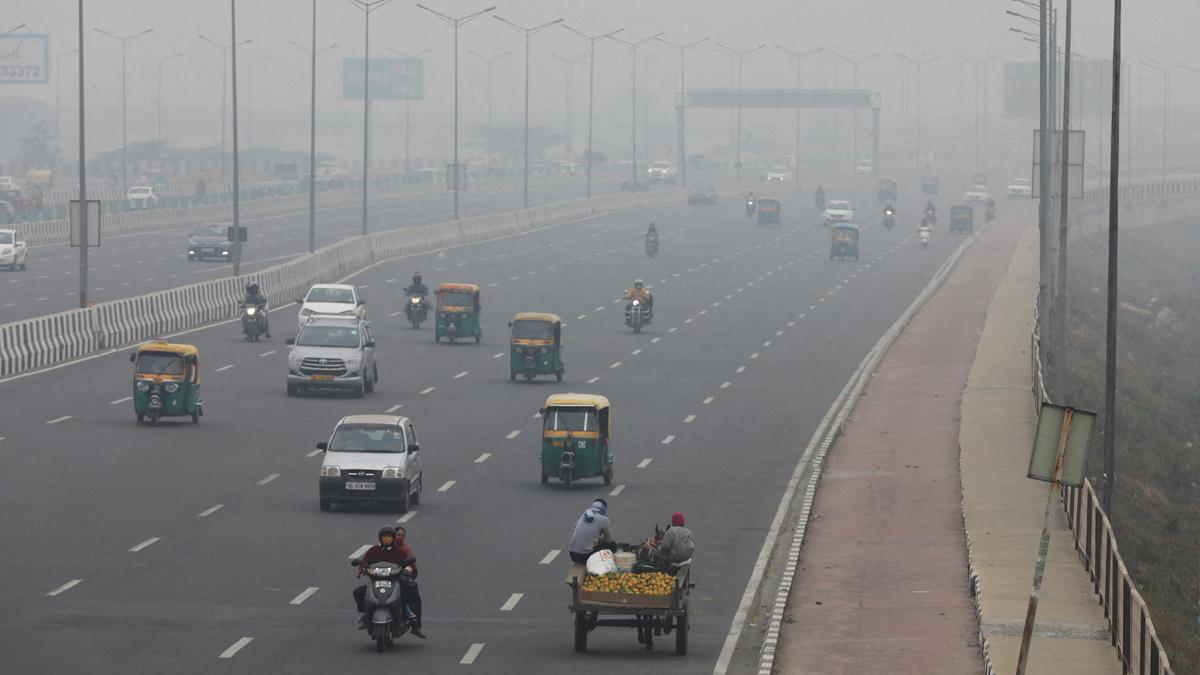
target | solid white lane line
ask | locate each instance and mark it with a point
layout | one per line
(726, 384)
(268, 479)
(209, 511)
(708, 400)
(449, 484)
(304, 595)
(314, 453)
(360, 551)
(144, 544)
(511, 603)
(394, 408)
(635, 352)
(472, 654)
(407, 516)
(426, 390)
(644, 463)
(235, 648)
(655, 340)
(593, 380)
(120, 400)
(616, 364)
(549, 557)
(65, 587)
(741, 369)
(460, 375)
(513, 434)
(56, 420)
(483, 458)
(224, 368)
(267, 353)
(616, 491)
(667, 440)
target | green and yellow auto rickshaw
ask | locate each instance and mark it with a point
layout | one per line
(845, 241)
(166, 381)
(536, 346)
(768, 211)
(457, 312)
(576, 438)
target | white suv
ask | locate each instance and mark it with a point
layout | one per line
(13, 251)
(141, 197)
(1020, 188)
(660, 172)
(331, 299)
(371, 458)
(976, 194)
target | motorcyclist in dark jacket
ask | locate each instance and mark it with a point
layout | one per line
(391, 548)
(417, 288)
(256, 298)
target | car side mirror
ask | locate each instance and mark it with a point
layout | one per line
(291, 342)
(369, 343)
(542, 412)
(413, 448)
(323, 445)
(299, 301)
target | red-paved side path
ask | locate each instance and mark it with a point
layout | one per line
(882, 584)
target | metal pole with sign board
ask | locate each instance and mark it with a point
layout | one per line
(1059, 452)
(85, 227)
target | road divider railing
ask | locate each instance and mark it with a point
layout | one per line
(45, 341)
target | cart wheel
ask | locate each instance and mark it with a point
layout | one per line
(566, 481)
(681, 633)
(581, 632)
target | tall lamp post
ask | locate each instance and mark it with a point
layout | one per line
(855, 62)
(308, 52)
(633, 47)
(224, 89)
(528, 33)
(741, 56)
(408, 103)
(918, 61)
(489, 60)
(1166, 72)
(237, 190)
(312, 52)
(250, 102)
(159, 103)
(124, 107)
(799, 56)
(83, 200)
(569, 66)
(58, 91)
(367, 6)
(455, 23)
(591, 91)
(682, 122)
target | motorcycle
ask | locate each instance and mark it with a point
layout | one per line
(889, 219)
(931, 216)
(819, 198)
(925, 238)
(416, 310)
(750, 207)
(636, 315)
(387, 618)
(651, 246)
(254, 321)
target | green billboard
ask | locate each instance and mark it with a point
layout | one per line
(391, 79)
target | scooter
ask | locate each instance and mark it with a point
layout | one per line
(387, 618)
(651, 246)
(254, 321)
(924, 237)
(889, 219)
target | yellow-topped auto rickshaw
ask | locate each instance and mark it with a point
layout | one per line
(845, 241)
(576, 438)
(457, 312)
(166, 381)
(536, 346)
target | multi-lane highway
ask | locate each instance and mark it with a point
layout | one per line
(134, 264)
(200, 548)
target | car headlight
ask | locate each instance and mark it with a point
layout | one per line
(143, 386)
(330, 472)
(393, 472)
(171, 387)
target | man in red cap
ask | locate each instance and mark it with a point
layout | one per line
(677, 543)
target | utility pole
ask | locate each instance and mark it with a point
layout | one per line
(312, 52)
(591, 92)
(124, 105)
(1110, 330)
(408, 105)
(741, 56)
(159, 106)
(237, 230)
(1060, 300)
(682, 119)
(633, 47)
(799, 56)
(569, 66)
(224, 90)
(83, 203)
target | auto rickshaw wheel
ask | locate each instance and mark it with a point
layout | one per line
(608, 475)
(581, 632)
(512, 375)
(436, 337)
(140, 417)
(154, 419)
(478, 338)
(545, 478)
(196, 416)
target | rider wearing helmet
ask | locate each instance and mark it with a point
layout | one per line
(640, 292)
(417, 288)
(256, 298)
(652, 233)
(391, 548)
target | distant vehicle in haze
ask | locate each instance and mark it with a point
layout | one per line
(1020, 188)
(838, 211)
(13, 251)
(706, 194)
(141, 197)
(976, 194)
(331, 299)
(864, 166)
(210, 240)
(779, 174)
(660, 172)
(8, 183)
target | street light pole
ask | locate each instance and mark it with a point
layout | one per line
(367, 6)
(633, 47)
(250, 102)
(408, 104)
(854, 63)
(1166, 72)
(237, 191)
(569, 65)
(83, 200)
(124, 107)
(527, 32)
(489, 61)
(455, 22)
(159, 105)
(591, 92)
(741, 55)
(58, 91)
(224, 90)
(682, 122)
(1059, 331)
(799, 56)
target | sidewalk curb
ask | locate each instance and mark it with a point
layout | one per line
(827, 433)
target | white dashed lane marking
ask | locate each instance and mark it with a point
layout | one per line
(65, 587)
(446, 486)
(741, 369)
(121, 400)
(472, 654)
(224, 368)
(56, 420)
(268, 479)
(426, 390)
(667, 440)
(689, 419)
(549, 557)
(511, 603)
(143, 545)
(267, 353)
(726, 384)
(235, 648)
(708, 400)
(616, 491)
(304, 595)
(209, 511)
(460, 375)
(513, 434)
(407, 516)
(593, 380)
(644, 463)
(482, 458)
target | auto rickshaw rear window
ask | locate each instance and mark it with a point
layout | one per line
(532, 330)
(456, 299)
(567, 419)
(160, 363)
(367, 438)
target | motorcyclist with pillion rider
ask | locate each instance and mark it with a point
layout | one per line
(392, 548)
(257, 299)
(641, 293)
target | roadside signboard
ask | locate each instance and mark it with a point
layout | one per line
(93, 223)
(25, 58)
(391, 79)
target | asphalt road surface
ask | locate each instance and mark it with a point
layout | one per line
(201, 548)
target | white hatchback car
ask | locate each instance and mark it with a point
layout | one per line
(371, 458)
(976, 194)
(141, 197)
(838, 210)
(1020, 188)
(13, 251)
(779, 174)
(331, 299)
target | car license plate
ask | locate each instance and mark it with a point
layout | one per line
(359, 485)
(323, 378)
(208, 250)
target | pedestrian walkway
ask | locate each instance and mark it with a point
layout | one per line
(1002, 509)
(882, 584)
